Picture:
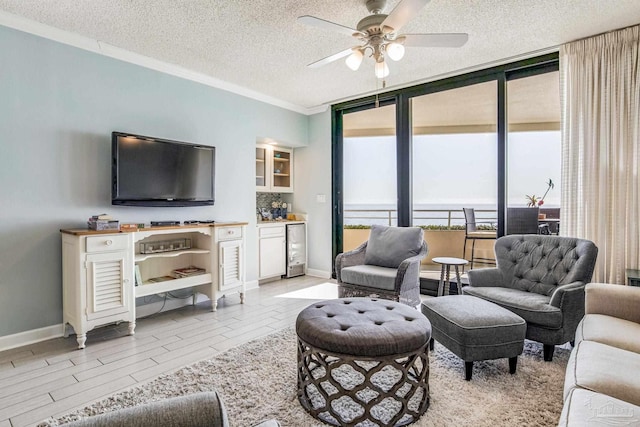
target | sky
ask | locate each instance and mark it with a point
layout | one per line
(453, 170)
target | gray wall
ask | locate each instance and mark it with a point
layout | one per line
(313, 177)
(58, 107)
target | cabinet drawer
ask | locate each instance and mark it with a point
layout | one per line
(108, 242)
(271, 231)
(229, 233)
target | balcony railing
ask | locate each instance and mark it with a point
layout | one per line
(445, 218)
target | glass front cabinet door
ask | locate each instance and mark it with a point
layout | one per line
(261, 169)
(274, 169)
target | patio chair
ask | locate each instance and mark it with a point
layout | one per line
(541, 279)
(552, 214)
(523, 221)
(386, 266)
(472, 233)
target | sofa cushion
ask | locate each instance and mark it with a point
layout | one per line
(389, 246)
(604, 369)
(585, 407)
(532, 307)
(609, 330)
(372, 276)
(198, 409)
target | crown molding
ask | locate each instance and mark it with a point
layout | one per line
(102, 48)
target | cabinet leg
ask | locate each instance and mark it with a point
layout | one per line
(81, 338)
(132, 328)
(241, 297)
(214, 305)
(65, 330)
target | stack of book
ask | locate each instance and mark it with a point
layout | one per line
(103, 222)
(188, 271)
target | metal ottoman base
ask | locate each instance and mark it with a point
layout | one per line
(359, 386)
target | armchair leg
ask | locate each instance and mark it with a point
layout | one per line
(548, 352)
(513, 363)
(468, 370)
(431, 344)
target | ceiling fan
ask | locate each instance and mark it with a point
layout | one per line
(378, 33)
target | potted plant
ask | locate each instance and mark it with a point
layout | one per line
(533, 201)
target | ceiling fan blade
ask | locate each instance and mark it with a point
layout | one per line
(402, 13)
(312, 21)
(331, 58)
(436, 40)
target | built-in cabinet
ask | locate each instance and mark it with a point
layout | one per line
(272, 251)
(103, 272)
(274, 246)
(274, 169)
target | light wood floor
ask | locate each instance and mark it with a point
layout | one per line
(54, 377)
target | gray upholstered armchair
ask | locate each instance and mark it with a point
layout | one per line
(541, 279)
(386, 266)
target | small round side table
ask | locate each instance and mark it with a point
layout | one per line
(446, 263)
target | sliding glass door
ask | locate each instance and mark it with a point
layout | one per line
(533, 154)
(483, 140)
(454, 166)
(369, 173)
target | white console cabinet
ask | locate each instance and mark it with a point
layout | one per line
(98, 275)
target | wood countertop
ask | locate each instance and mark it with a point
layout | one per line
(87, 232)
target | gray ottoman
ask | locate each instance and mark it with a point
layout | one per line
(363, 361)
(475, 329)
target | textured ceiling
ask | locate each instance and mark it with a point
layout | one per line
(259, 45)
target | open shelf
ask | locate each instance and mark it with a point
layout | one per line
(152, 288)
(142, 257)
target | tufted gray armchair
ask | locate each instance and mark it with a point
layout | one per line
(541, 279)
(386, 266)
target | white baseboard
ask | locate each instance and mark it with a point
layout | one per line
(252, 284)
(30, 337)
(56, 331)
(319, 273)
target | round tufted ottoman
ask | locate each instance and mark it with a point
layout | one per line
(363, 360)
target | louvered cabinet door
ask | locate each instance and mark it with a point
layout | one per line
(108, 284)
(230, 264)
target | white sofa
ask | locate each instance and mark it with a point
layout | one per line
(602, 382)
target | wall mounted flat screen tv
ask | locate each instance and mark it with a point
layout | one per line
(148, 171)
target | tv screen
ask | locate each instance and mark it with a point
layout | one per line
(149, 171)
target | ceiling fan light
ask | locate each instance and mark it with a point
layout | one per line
(354, 60)
(395, 51)
(382, 70)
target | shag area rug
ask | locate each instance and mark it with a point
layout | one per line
(257, 381)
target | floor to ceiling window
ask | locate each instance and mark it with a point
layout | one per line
(454, 155)
(369, 173)
(533, 154)
(452, 146)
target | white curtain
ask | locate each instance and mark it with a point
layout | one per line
(600, 98)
